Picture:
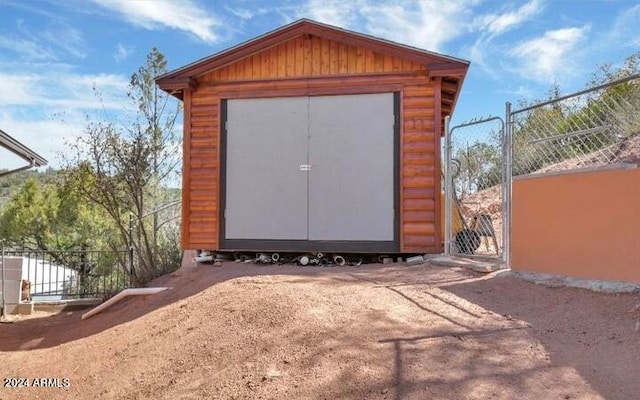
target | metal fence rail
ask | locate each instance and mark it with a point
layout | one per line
(59, 275)
(587, 129)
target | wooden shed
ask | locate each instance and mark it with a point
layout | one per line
(314, 138)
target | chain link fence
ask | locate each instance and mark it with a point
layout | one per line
(592, 128)
(474, 153)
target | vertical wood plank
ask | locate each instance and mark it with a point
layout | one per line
(388, 63)
(325, 67)
(307, 55)
(437, 123)
(397, 64)
(351, 60)
(378, 61)
(264, 71)
(273, 62)
(299, 51)
(281, 57)
(334, 55)
(315, 56)
(342, 58)
(290, 59)
(186, 172)
(256, 66)
(360, 60)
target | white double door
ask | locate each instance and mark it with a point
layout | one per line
(310, 168)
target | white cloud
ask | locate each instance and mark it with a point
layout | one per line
(428, 24)
(625, 31)
(122, 52)
(26, 49)
(500, 23)
(48, 105)
(550, 56)
(245, 13)
(62, 91)
(45, 43)
(493, 25)
(333, 12)
(67, 38)
(46, 137)
(182, 15)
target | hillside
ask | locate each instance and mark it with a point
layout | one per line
(11, 183)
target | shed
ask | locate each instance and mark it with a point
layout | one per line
(314, 138)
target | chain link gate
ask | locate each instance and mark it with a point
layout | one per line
(476, 188)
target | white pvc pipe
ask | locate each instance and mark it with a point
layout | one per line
(120, 296)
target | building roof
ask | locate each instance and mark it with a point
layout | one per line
(437, 64)
(21, 150)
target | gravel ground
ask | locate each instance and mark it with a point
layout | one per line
(373, 332)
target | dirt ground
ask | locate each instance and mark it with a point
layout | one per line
(373, 332)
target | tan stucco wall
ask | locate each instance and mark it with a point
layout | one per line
(584, 224)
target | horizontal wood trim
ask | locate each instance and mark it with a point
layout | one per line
(204, 228)
(419, 228)
(418, 136)
(418, 181)
(417, 170)
(418, 123)
(419, 216)
(419, 193)
(202, 214)
(312, 91)
(419, 147)
(418, 204)
(425, 89)
(410, 113)
(420, 249)
(421, 102)
(288, 83)
(203, 194)
(418, 159)
(420, 240)
(204, 240)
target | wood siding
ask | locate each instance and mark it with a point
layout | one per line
(310, 56)
(305, 66)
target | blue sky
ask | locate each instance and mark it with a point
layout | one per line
(54, 52)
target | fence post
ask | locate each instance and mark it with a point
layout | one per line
(131, 267)
(4, 306)
(447, 187)
(506, 192)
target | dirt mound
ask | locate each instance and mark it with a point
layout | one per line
(625, 152)
(279, 332)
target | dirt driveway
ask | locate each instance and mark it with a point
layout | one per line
(373, 332)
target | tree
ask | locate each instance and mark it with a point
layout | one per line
(123, 167)
(479, 167)
(51, 217)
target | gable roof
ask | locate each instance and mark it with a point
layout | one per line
(21, 150)
(437, 64)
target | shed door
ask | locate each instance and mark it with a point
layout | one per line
(266, 193)
(351, 184)
(311, 173)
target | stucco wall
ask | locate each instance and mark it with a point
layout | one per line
(578, 224)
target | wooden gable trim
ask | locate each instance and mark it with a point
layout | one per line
(175, 80)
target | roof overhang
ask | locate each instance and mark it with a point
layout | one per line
(20, 150)
(438, 65)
